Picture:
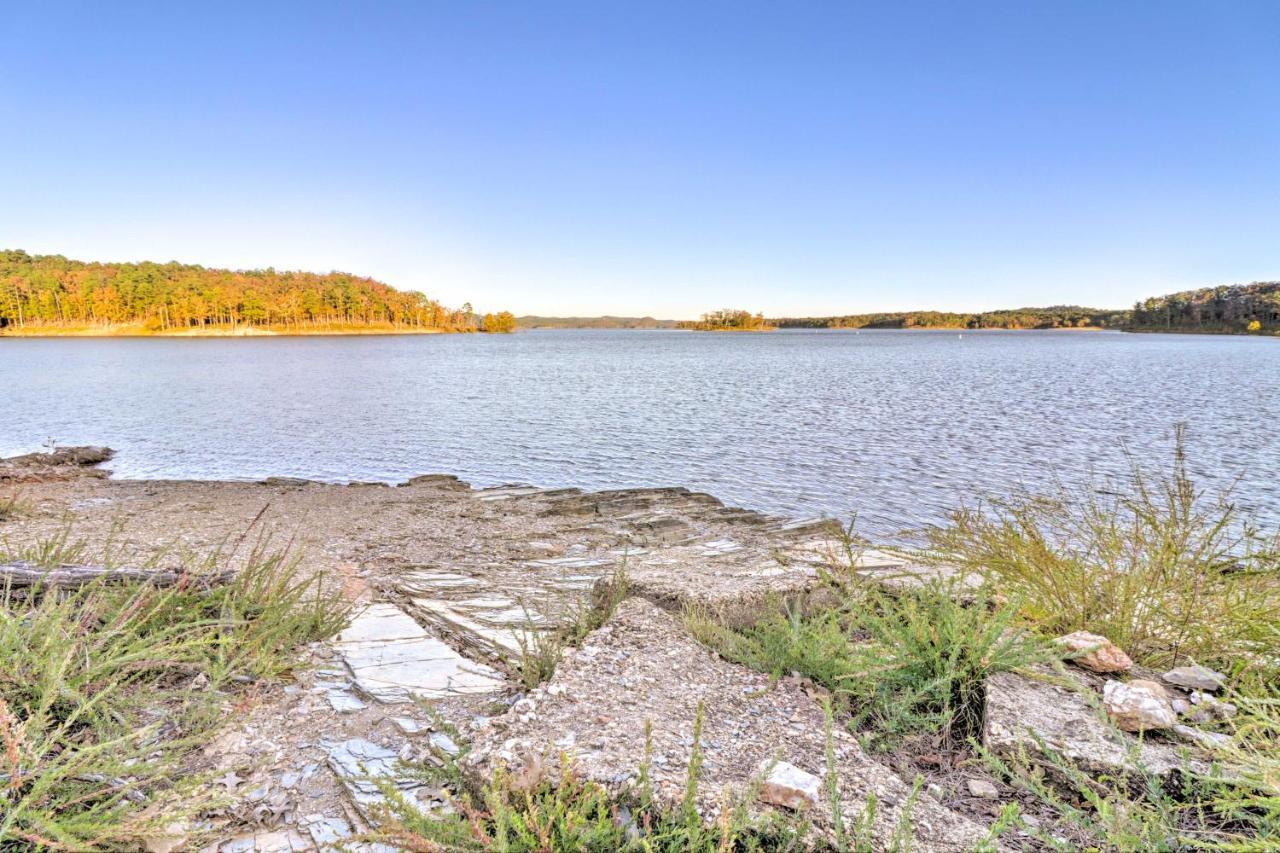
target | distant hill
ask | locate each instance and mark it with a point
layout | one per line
(50, 294)
(1056, 317)
(531, 321)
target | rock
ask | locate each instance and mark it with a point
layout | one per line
(407, 725)
(788, 786)
(1139, 705)
(1094, 652)
(982, 788)
(344, 701)
(1029, 714)
(521, 761)
(444, 743)
(642, 667)
(1210, 707)
(359, 763)
(394, 660)
(1195, 677)
(1208, 740)
(63, 456)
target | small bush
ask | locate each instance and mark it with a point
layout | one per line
(1151, 564)
(896, 664)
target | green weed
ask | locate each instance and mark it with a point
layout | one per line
(106, 690)
(1153, 564)
(539, 649)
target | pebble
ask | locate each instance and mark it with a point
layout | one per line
(982, 788)
(1195, 677)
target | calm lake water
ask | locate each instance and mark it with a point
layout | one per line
(894, 425)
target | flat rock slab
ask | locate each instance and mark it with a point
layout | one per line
(1023, 712)
(363, 766)
(394, 660)
(643, 667)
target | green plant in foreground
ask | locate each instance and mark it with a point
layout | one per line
(538, 649)
(98, 713)
(897, 664)
(580, 815)
(1152, 564)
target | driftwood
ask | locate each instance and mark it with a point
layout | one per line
(66, 576)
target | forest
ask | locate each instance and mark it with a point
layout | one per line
(49, 292)
(1250, 308)
(1057, 317)
(728, 320)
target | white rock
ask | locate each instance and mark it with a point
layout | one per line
(1211, 706)
(1209, 740)
(1139, 705)
(1094, 652)
(788, 786)
(983, 788)
(1195, 677)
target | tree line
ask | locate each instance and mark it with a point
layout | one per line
(1057, 317)
(52, 291)
(1229, 308)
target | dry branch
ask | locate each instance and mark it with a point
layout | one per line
(23, 573)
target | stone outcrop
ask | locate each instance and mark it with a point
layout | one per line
(60, 463)
(1094, 652)
(1063, 713)
(392, 659)
(643, 671)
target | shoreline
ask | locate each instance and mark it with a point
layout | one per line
(521, 623)
(222, 332)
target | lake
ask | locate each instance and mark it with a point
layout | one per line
(894, 425)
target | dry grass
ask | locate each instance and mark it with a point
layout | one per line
(1165, 571)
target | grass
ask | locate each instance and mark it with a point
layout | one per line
(581, 815)
(896, 665)
(106, 691)
(539, 649)
(1168, 573)
(12, 506)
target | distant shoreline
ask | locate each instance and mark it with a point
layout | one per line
(136, 331)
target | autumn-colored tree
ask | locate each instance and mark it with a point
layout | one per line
(51, 291)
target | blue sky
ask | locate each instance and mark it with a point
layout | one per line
(658, 158)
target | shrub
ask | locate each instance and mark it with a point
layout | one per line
(1152, 564)
(896, 664)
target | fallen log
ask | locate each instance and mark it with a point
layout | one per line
(24, 573)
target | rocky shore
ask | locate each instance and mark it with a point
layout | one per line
(453, 583)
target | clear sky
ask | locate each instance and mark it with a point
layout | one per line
(658, 158)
